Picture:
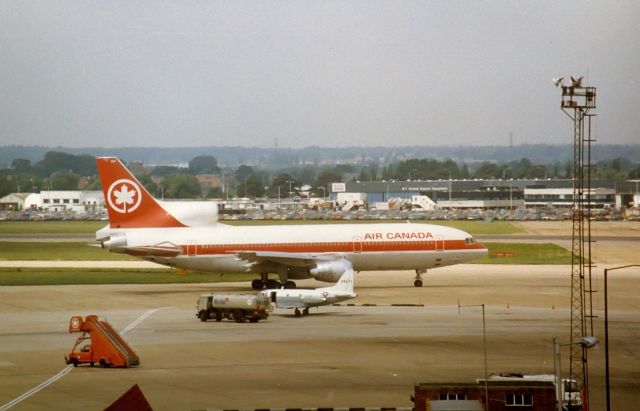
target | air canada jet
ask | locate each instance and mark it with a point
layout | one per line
(305, 299)
(187, 235)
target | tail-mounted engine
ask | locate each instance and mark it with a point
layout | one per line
(115, 241)
(329, 271)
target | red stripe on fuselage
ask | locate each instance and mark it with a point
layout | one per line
(334, 247)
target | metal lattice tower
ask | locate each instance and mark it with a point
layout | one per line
(577, 101)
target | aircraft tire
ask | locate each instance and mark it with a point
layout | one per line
(297, 313)
(289, 285)
(271, 284)
(417, 283)
(257, 284)
(305, 311)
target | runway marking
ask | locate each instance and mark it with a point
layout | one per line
(70, 367)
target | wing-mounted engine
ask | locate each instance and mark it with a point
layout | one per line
(330, 271)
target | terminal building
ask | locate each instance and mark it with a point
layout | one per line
(484, 194)
(55, 201)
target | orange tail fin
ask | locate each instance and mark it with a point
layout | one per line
(129, 204)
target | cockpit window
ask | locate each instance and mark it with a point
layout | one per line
(469, 240)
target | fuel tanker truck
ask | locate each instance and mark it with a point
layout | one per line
(236, 307)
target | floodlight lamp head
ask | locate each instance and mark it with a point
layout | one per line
(558, 81)
(589, 341)
(576, 81)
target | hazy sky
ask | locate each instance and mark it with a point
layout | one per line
(330, 73)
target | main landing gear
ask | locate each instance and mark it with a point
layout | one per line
(418, 280)
(305, 312)
(265, 283)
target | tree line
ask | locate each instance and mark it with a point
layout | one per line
(63, 171)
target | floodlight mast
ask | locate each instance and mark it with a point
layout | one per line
(577, 101)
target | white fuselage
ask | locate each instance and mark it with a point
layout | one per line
(295, 298)
(367, 246)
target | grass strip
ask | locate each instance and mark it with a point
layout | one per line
(97, 276)
(57, 251)
(527, 254)
(50, 227)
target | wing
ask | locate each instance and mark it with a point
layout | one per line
(288, 259)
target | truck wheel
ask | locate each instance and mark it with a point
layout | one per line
(74, 361)
(254, 319)
(218, 316)
(238, 316)
(203, 315)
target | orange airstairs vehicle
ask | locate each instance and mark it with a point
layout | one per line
(99, 343)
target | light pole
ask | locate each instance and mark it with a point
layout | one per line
(450, 207)
(290, 192)
(586, 342)
(606, 333)
(484, 344)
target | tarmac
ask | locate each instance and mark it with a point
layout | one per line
(338, 356)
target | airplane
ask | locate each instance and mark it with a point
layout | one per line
(187, 235)
(305, 299)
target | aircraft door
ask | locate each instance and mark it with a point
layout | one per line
(273, 296)
(191, 247)
(357, 244)
(439, 243)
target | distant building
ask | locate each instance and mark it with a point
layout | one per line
(208, 180)
(60, 201)
(485, 194)
(534, 395)
(13, 202)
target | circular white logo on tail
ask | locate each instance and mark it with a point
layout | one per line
(124, 196)
(75, 323)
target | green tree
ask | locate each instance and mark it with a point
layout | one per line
(250, 187)
(181, 185)
(163, 171)
(488, 170)
(53, 161)
(153, 188)
(324, 179)
(21, 165)
(204, 165)
(282, 183)
(63, 180)
(7, 182)
(243, 172)
(464, 171)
